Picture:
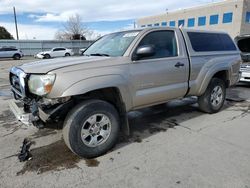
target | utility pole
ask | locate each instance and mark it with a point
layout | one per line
(17, 37)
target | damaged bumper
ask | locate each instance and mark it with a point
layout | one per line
(17, 109)
(38, 116)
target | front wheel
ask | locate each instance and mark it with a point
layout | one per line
(91, 128)
(46, 56)
(67, 54)
(214, 97)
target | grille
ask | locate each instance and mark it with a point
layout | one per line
(17, 81)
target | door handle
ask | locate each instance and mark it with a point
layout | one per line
(179, 65)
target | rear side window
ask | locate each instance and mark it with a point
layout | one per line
(59, 49)
(164, 43)
(206, 42)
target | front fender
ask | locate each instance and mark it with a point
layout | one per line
(101, 82)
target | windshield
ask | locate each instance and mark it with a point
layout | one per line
(114, 44)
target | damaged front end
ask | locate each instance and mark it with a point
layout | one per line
(33, 109)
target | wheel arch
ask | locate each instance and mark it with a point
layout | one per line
(16, 54)
(114, 96)
(222, 74)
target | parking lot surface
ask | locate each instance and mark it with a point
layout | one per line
(171, 145)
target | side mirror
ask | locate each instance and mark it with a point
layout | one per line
(144, 51)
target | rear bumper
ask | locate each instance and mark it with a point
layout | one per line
(245, 77)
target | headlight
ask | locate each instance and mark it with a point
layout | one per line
(41, 84)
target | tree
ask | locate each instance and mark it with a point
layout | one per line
(4, 34)
(73, 29)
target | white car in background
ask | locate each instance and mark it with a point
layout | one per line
(245, 72)
(54, 52)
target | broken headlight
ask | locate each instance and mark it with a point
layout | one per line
(41, 84)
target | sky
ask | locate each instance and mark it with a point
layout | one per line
(41, 19)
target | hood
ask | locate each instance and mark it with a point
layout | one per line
(45, 52)
(45, 66)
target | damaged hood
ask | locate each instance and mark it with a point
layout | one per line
(45, 66)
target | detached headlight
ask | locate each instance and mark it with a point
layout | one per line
(41, 84)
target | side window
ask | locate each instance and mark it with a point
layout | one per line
(202, 21)
(247, 17)
(206, 42)
(172, 23)
(227, 42)
(181, 22)
(191, 22)
(58, 49)
(227, 17)
(214, 19)
(163, 24)
(164, 43)
(9, 49)
(13, 49)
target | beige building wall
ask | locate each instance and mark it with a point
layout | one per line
(245, 27)
(235, 28)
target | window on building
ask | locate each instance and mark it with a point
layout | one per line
(172, 23)
(248, 17)
(202, 21)
(143, 26)
(205, 42)
(214, 19)
(163, 48)
(227, 17)
(149, 25)
(156, 24)
(191, 22)
(181, 22)
(163, 24)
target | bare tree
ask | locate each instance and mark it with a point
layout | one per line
(73, 29)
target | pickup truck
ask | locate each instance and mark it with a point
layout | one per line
(91, 95)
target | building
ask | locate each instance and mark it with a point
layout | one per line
(232, 16)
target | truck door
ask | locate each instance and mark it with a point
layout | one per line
(163, 75)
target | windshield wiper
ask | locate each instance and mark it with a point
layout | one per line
(99, 54)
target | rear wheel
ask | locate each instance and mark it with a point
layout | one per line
(16, 57)
(91, 128)
(214, 97)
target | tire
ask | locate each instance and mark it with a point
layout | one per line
(67, 54)
(46, 56)
(77, 123)
(17, 57)
(214, 97)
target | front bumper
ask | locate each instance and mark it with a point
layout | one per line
(17, 109)
(40, 56)
(38, 114)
